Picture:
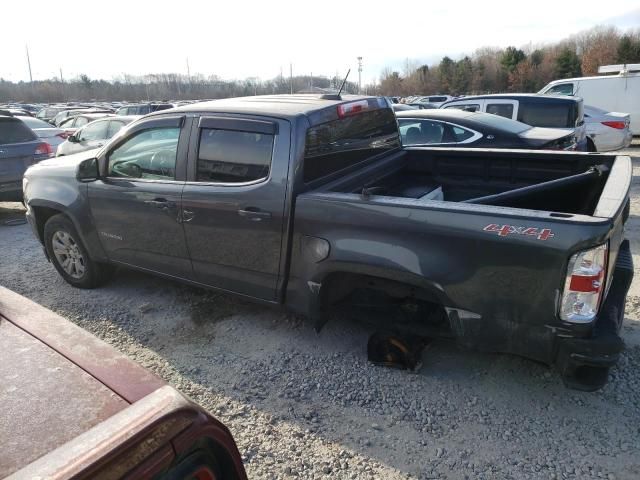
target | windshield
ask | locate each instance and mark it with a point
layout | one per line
(339, 144)
(502, 123)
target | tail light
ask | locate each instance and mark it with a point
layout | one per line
(44, 149)
(63, 135)
(616, 124)
(584, 285)
(564, 143)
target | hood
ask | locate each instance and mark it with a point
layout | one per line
(539, 135)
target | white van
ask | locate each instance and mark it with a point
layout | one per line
(614, 93)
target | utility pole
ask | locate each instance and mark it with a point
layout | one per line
(188, 71)
(62, 83)
(29, 63)
(360, 75)
(291, 78)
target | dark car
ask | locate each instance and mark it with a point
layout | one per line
(75, 408)
(547, 111)
(20, 148)
(458, 128)
(312, 203)
(143, 108)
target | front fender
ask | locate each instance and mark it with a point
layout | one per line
(46, 198)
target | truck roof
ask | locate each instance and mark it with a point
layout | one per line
(282, 106)
(534, 97)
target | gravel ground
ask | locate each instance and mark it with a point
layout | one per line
(310, 406)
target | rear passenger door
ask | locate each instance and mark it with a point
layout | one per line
(234, 202)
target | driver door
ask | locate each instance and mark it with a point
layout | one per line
(136, 203)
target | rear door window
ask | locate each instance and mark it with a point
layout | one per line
(546, 115)
(467, 107)
(502, 109)
(562, 89)
(228, 156)
(114, 127)
(13, 130)
(423, 132)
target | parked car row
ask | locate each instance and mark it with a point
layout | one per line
(585, 128)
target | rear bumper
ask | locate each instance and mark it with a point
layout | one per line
(584, 362)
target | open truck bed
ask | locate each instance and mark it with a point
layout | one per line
(486, 235)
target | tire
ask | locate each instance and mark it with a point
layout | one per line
(69, 255)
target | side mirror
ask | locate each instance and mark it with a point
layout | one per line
(88, 170)
(73, 139)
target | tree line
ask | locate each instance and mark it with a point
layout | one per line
(166, 86)
(487, 70)
(511, 69)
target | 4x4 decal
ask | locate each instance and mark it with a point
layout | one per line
(504, 230)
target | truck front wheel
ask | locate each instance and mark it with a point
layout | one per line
(70, 257)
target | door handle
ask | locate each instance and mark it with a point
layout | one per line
(254, 214)
(160, 203)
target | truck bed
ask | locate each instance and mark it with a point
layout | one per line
(558, 182)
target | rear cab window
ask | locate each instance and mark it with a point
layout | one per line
(13, 130)
(339, 144)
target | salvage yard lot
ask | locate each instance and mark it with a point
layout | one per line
(310, 406)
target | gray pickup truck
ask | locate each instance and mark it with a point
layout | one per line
(312, 203)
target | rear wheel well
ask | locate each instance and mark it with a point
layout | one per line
(41, 215)
(339, 285)
(385, 303)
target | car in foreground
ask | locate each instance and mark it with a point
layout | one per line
(547, 111)
(312, 203)
(95, 134)
(45, 131)
(20, 148)
(458, 128)
(75, 408)
(607, 131)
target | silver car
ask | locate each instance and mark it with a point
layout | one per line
(52, 135)
(94, 134)
(607, 130)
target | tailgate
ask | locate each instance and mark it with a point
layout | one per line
(614, 204)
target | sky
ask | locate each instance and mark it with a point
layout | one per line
(240, 39)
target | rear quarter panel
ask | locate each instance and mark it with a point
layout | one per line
(512, 281)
